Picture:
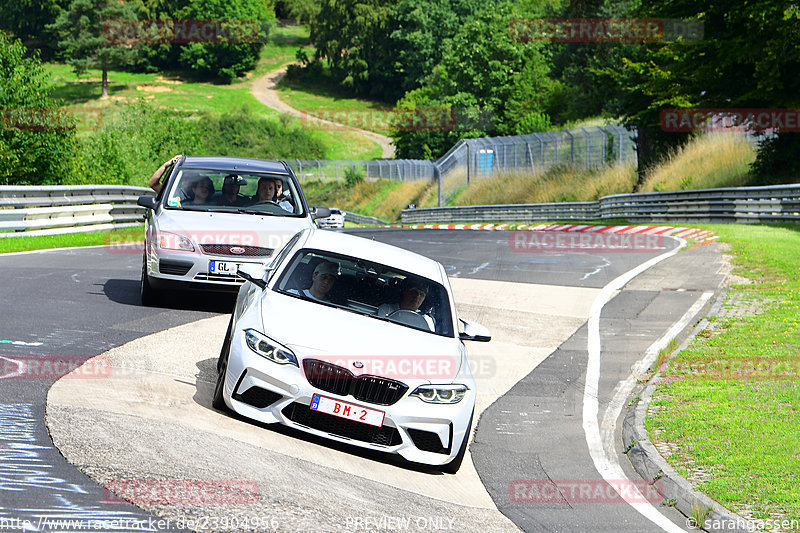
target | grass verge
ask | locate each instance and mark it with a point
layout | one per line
(69, 240)
(378, 198)
(729, 405)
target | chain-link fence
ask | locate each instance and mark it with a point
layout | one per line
(587, 147)
(392, 169)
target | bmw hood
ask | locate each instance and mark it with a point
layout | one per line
(362, 344)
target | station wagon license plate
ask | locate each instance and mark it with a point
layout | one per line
(225, 268)
(350, 411)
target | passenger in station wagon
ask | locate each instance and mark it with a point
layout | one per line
(202, 191)
(230, 191)
(322, 281)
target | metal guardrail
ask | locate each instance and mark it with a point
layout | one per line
(60, 209)
(779, 203)
(363, 219)
(72, 209)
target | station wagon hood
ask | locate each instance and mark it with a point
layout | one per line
(232, 228)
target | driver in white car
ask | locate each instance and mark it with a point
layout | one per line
(411, 298)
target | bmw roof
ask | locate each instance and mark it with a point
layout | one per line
(370, 250)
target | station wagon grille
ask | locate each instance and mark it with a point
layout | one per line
(243, 251)
(372, 389)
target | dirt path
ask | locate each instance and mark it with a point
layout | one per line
(264, 91)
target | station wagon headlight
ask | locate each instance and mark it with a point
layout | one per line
(173, 241)
(268, 348)
(440, 393)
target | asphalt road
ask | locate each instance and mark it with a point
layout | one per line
(75, 304)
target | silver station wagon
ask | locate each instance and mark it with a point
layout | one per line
(214, 214)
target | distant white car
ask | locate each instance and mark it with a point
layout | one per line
(355, 341)
(334, 221)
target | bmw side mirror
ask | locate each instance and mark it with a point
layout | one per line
(320, 212)
(147, 201)
(472, 331)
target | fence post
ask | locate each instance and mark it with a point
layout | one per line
(571, 147)
(588, 148)
(605, 141)
(469, 162)
(437, 175)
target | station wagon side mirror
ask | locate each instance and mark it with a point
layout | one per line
(254, 274)
(472, 331)
(147, 201)
(320, 212)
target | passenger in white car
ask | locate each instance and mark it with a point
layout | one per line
(322, 281)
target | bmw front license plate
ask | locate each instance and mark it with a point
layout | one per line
(350, 411)
(225, 268)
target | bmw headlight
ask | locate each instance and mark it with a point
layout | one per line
(440, 393)
(268, 348)
(173, 241)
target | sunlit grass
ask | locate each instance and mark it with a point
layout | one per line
(383, 199)
(559, 184)
(706, 162)
(735, 433)
(94, 238)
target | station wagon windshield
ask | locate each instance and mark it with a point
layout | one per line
(237, 192)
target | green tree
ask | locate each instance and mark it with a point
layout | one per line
(493, 83)
(36, 138)
(302, 11)
(748, 57)
(28, 20)
(227, 60)
(81, 32)
(353, 36)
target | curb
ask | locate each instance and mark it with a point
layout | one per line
(648, 462)
(698, 235)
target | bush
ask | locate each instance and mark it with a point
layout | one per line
(135, 141)
(227, 60)
(353, 177)
(37, 141)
